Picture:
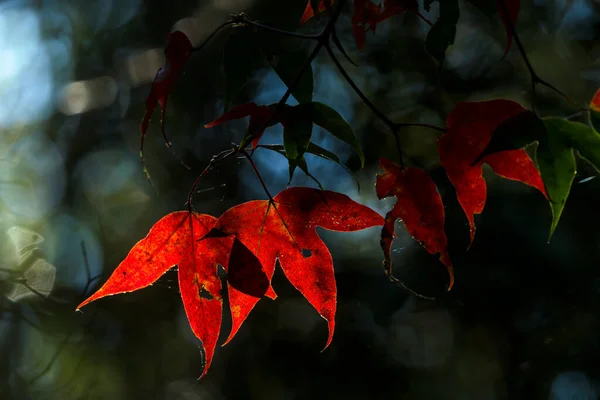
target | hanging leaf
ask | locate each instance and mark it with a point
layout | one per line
(420, 208)
(443, 32)
(296, 136)
(469, 128)
(259, 117)
(178, 50)
(509, 12)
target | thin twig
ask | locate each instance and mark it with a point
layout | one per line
(243, 18)
(209, 37)
(535, 79)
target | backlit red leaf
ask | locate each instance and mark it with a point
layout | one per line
(174, 240)
(177, 52)
(418, 205)
(512, 8)
(259, 117)
(367, 15)
(285, 230)
(469, 128)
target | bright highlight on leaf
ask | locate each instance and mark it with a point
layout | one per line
(420, 208)
(177, 52)
(174, 240)
(469, 128)
(285, 230)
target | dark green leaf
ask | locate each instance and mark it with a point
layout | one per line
(241, 58)
(287, 66)
(443, 32)
(329, 119)
(556, 163)
(580, 137)
(516, 132)
(317, 151)
(296, 135)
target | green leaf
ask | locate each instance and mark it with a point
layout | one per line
(580, 137)
(296, 135)
(443, 32)
(287, 65)
(515, 133)
(329, 119)
(595, 119)
(241, 58)
(557, 166)
(315, 150)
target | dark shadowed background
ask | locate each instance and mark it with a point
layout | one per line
(523, 321)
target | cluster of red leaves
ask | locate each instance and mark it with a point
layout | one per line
(246, 240)
(469, 128)
(367, 15)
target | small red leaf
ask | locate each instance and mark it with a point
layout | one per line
(512, 7)
(309, 12)
(368, 14)
(175, 240)
(285, 230)
(259, 117)
(418, 205)
(595, 103)
(469, 128)
(177, 52)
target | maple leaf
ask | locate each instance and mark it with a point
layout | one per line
(174, 240)
(259, 116)
(309, 11)
(469, 128)
(285, 230)
(367, 15)
(418, 205)
(177, 52)
(509, 12)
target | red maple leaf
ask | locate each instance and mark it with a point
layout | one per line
(177, 52)
(174, 240)
(512, 10)
(469, 128)
(285, 230)
(259, 117)
(309, 12)
(367, 15)
(418, 205)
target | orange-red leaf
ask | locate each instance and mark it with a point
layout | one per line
(469, 128)
(259, 117)
(512, 7)
(285, 230)
(174, 240)
(368, 14)
(418, 205)
(177, 52)
(309, 12)
(595, 103)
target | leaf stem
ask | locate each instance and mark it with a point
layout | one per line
(394, 127)
(243, 18)
(535, 79)
(209, 37)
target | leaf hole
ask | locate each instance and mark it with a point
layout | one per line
(204, 294)
(306, 253)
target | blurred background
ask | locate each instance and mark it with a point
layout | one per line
(522, 322)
